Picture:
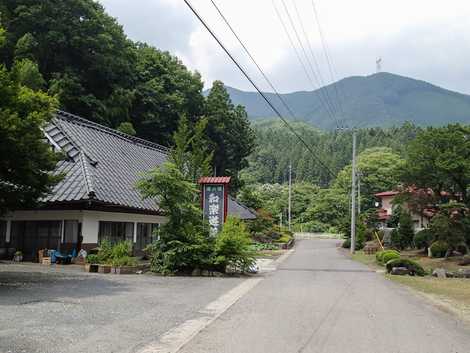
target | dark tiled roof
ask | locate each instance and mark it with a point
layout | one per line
(237, 209)
(102, 164)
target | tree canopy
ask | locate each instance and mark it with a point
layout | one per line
(27, 159)
(439, 158)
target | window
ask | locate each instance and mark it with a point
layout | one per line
(71, 232)
(146, 234)
(116, 231)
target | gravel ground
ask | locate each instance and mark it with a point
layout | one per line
(49, 310)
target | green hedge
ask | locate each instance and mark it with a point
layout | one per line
(385, 256)
(414, 267)
(439, 248)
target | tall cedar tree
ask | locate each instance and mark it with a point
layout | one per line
(230, 133)
(190, 152)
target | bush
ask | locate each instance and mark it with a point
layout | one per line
(285, 238)
(92, 259)
(104, 252)
(385, 256)
(347, 244)
(124, 261)
(121, 250)
(439, 248)
(423, 239)
(233, 246)
(412, 266)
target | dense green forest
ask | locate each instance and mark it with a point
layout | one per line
(277, 147)
(75, 52)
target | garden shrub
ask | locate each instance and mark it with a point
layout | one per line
(104, 251)
(412, 266)
(423, 239)
(92, 259)
(439, 248)
(124, 261)
(385, 256)
(121, 250)
(233, 246)
(347, 244)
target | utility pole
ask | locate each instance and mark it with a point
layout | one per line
(290, 196)
(353, 194)
(359, 176)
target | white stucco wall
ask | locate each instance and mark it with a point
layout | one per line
(89, 220)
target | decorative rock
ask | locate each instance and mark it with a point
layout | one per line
(465, 261)
(439, 273)
(400, 271)
(464, 273)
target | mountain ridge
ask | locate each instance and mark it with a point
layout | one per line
(378, 100)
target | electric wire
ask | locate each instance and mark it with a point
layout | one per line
(319, 92)
(321, 89)
(315, 63)
(278, 95)
(329, 61)
(275, 110)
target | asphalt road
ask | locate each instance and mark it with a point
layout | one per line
(42, 311)
(320, 301)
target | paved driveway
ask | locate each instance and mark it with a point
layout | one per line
(78, 312)
(321, 301)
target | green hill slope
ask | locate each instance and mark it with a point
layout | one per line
(381, 99)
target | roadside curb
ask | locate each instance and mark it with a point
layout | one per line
(176, 338)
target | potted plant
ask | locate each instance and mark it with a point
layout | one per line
(91, 263)
(18, 257)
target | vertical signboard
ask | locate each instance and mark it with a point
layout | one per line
(214, 207)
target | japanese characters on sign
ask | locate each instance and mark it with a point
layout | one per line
(214, 207)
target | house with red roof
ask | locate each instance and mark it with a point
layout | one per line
(386, 208)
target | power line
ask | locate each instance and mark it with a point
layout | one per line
(256, 87)
(315, 62)
(319, 92)
(284, 103)
(329, 61)
(302, 47)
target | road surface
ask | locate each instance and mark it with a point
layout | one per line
(320, 301)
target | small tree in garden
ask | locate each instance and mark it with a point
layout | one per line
(184, 242)
(450, 226)
(232, 246)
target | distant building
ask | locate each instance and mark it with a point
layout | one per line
(97, 198)
(386, 209)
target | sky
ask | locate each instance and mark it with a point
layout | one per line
(423, 39)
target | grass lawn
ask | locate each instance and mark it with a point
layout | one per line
(451, 293)
(430, 264)
(368, 260)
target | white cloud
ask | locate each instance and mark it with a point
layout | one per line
(426, 39)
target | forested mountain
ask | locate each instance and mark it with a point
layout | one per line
(277, 148)
(379, 100)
